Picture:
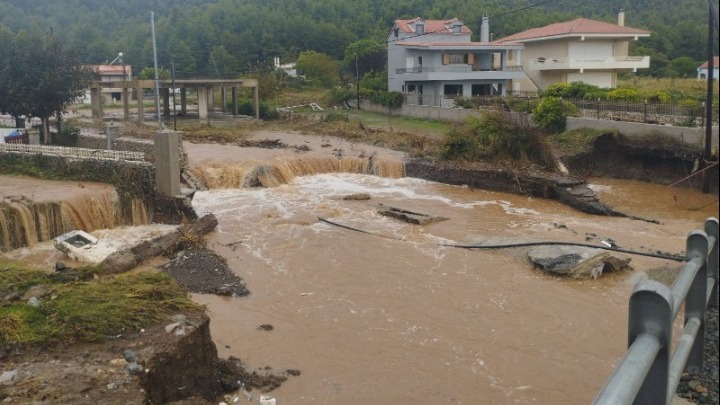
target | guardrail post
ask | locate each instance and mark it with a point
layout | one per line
(651, 312)
(711, 228)
(695, 301)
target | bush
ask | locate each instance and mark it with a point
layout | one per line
(495, 136)
(625, 95)
(335, 116)
(571, 90)
(551, 114)
(245, 107)
(68, 136)
(392, 99)
(339, 94)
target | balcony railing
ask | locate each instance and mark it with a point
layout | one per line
(455, 69)
(618, 62)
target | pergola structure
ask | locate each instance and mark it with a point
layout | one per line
(205, 92)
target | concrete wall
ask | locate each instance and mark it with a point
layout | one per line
(422, 111)
(136, 145)
(692, 136)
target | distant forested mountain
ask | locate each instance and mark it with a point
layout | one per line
(222, 38)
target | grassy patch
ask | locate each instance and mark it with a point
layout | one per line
(86, 310)
(576, 141)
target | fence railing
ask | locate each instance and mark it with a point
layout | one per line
(644, 112)
(77, 153)
(647, 374)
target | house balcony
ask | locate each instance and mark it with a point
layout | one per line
(459, 72)
(624, 63)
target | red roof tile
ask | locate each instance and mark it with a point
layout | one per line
(460, 44)
(580, 26)
(716, 62)
(431, 26)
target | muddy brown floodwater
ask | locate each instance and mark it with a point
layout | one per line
(392, 317)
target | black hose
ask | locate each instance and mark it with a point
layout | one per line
(521, 244)
(612, 249)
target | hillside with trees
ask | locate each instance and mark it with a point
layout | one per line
(225, 38)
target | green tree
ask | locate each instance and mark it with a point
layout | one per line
(224, 64)
(319, 68)
(369, 55)
(40, 76)
(683, 66)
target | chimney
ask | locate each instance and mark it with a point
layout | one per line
(484, 29)
(621, 18)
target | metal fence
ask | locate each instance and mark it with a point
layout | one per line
(647, 374)
(644, 112)
(77, 153)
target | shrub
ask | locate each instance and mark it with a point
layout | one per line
(625, 95)
(557, 90)
(245, 107)
(551, 114)
(335, 116)
(339, 94)
(68, 136)
(392, 99)
(496, 136)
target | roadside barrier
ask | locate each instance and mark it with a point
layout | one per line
(647, 374)
(77, 153)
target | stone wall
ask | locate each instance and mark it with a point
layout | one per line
(131, 144)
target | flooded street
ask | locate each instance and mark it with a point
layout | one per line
(388, 316)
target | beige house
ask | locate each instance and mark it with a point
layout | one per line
(581, 50)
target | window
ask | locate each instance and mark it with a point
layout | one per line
(419, 28)
(458, 58)
(453, 90)
(396, 31)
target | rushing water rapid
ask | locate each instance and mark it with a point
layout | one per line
(388, 316)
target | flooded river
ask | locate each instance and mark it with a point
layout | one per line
(389, 316)
(383, 313)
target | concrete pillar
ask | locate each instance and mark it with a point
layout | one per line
(234, 92)
(167, 163)
(93, 102)
(166, 102)
(223, 99)
(99, 102)
(126, 102)
(202, 102)
(211, 99)
(256, 101)
(183, 101)
(140, 107)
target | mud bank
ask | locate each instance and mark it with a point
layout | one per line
(647, 162)
(570, 190)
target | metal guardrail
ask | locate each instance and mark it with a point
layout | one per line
(77, 153)
(647, 374)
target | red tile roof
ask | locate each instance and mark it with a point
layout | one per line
(580, 26)
(431, 26)
(716, 63)
(461, 44)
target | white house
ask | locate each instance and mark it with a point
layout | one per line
(581, 50)
(434, 61)
(702, 70)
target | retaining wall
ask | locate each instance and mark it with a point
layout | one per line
(692, 136)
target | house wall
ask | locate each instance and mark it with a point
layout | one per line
(539, 80)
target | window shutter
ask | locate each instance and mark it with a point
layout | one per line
(471, 59)
(446, 59)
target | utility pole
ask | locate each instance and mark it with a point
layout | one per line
(712, 26)
(357, 81)
(173, 93)
(157, 78)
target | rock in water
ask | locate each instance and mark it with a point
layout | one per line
(576, 262)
